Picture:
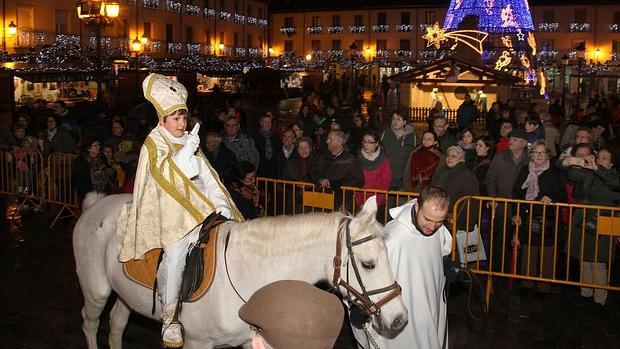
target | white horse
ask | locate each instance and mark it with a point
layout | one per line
(260, 251)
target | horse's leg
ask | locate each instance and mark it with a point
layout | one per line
(93, 305)
(118, 321)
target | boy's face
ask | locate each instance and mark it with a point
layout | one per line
(175, 124)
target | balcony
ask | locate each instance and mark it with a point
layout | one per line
(239, 18)
(262, 23)
(614, 28)
(240, 51)
(405, 28)
(192, 10)
(335, 29)
(173, 6)
(194, 48)
(225, 16)
(315, 30)
(579, 27)
(208, 13)
(547, 55)
(255, 52)
(356, 29)
(549, 27)
(174, 48)
(403, 53)
(381, 28)
(287, 31)
(150, 4)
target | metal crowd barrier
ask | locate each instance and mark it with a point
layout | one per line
(568, 244)
(32, 179)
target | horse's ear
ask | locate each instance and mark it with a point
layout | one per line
(369, 208)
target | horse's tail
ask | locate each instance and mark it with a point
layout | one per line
(91, 198)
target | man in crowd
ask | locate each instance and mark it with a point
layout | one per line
(416, 242)
(220, 157)
(500, 180)
(268, 145)
(398, 143)
(341, 168)
(446, 138)
(467, 113)
(239, 142)
(293, 314)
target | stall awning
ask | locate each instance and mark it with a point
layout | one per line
(60, 76)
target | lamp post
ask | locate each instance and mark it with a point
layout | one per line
(97, 14)
(564, 64)
(581, 56)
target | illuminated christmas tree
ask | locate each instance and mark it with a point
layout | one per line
(494, 16)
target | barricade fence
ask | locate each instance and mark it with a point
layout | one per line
(33, 178)
(554, 243)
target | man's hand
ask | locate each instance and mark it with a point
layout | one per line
(516, 220)
(324, 183)
(546, 200)
(452, 270)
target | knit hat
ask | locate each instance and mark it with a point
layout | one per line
(166, 95)
(291, 314)
(519, 133)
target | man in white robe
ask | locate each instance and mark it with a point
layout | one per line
(416, 243)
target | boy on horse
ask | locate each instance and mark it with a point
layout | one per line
(175, 190)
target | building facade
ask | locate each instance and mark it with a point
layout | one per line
(169, 27)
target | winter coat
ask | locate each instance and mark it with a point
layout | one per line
(480, 167)
(459, 181)
(550, 184)
(466, 115)
(503, 172)
(422, 165)
(377, 175)
(398, 150)
(222, 161)
(267, 167)
(243, 147)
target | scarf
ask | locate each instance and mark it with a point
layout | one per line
(249, 193)
(531, 183)
(51, 133)
(465, 146)
(268, 147)
(372, 161)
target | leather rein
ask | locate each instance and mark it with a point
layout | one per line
(361, 299)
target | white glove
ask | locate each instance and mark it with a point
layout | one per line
(184, 158)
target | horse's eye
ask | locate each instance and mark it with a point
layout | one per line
(368, 265)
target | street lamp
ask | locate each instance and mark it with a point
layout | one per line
(12, 28)
(136, 45)
(565, 59)
(581, 57)
(97, 14)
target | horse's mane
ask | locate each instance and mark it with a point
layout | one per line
(305, 228)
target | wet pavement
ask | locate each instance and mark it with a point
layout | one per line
(41, 300)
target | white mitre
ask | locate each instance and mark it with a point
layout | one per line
(166, 95)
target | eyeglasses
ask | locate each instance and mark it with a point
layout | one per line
(369, 142)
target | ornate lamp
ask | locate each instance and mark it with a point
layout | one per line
(12, 28)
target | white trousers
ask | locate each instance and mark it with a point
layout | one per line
(599, 277)
(170, 272)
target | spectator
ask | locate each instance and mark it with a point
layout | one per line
(444, 137)
(485, 149)
(377, 171)
(392, 99)
(340, 168)
(534, 128)
(398, 143)
(423, 162)
(90, 171)
(287, 152)
(305, 121)
(240, 143)
(305, 166)
(540, 181)
(583, 135)
(118, 135)
(241, 184)
(126, 152)
(552, 136)
(597, 181)
(268, 144)
(504, 132)
(599, 129)
(57, 139)
(293, 314)
(500, 181)
(299, 131)
(220, 157)
(65, 120)
(119, 177)
(354, 141)
(468, 145)
(467, 113)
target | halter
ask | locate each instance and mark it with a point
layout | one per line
(367, 306)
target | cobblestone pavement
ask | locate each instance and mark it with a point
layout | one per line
(40, 301)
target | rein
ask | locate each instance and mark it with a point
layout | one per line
(226, 265)
(367, 306)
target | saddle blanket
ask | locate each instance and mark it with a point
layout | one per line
(143, 271)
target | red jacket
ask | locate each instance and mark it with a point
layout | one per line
(378, 178)
(423, 163)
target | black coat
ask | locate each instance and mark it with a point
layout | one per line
(222, 161)
(267, 167)
(552, 185)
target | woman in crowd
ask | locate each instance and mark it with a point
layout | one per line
(108, 153)
(56, 139)
(299, 132)
(241, 185)
(355, 134)
(423, 162)
(596, 183)
(485, 149)
(540, 181)
(377, 171)
(534, 128)
(90, 170)
(466, 143)
(458, 181)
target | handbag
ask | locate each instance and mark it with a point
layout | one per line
(470, 246)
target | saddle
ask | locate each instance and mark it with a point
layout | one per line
(144, 271)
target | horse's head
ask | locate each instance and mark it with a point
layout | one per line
(365, 276)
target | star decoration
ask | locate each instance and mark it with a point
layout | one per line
(520, 35)
(435, 35)
(503, 61)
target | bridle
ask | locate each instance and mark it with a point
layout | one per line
(362, 300)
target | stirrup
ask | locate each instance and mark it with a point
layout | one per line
(173, 342)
